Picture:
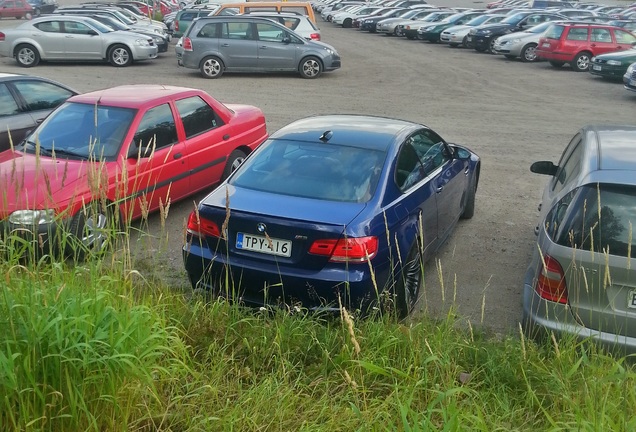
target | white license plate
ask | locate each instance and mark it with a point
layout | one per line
(262, 244)
(596, 67)
(631, 299)
(546, 45)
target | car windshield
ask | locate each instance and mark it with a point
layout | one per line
(112, 23)
(478, 20)
(539, 28)
(77, 129)
(311, 170)
(409, 13)
(124, 18)
(514, 19)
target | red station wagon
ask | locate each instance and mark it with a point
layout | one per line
(576, 44)
(132, 149)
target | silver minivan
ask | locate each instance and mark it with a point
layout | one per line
(220, 44)
(581, 282)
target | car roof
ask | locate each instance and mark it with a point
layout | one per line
(609, 155)
(133, 96)
(376, 133)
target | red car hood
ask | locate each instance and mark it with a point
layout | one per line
(35, 183)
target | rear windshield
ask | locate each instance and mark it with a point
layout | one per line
(601, 219)
(320, 171)
(554, 32)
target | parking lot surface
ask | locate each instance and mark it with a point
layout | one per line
(510, 113)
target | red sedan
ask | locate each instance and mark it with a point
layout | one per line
(127, 150)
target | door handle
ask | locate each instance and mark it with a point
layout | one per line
(225, 45)
(177, 156)
(226, 137)
(263, 47)
(439, 189)
(593, 45)
(619, 47)
(467, 170)
(69, 37)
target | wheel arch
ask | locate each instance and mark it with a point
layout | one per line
(34, 44)
(114, 44)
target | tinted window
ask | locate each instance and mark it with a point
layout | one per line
(156, 130)
(238, 30)
(197, 116)
(554, 32)
(76, 128)
(578, 34)
(49, 26)
(41, 95)
(318, 171)
(269, 33)
(210, 30)
(606, 228)
(8, 106)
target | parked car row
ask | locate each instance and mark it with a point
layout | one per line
(586, 40)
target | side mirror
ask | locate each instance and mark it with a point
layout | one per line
(286, 40)
(544, 167)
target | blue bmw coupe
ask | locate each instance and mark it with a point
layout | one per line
(330, 210)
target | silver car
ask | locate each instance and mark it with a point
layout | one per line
(219, 44)
(64, 38)
(456, 35)
(521, 44)
(390, 25)
(580, 282)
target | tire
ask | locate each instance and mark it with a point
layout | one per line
(120, 56)
(396, 32)
(581, 62)
(91, 231)
(510, 57)
(469, 206)
(211, 67)
(409, 282)
(27, 55)
(347, 23)
(556, 64)
(529, 53)
(465, 42)
(491, 46)
(37, 12)
(420, 37)
(235, 159)
(310, 67)
(28, 16)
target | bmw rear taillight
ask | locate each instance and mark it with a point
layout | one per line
(551, 281)
(187, 44)
(1, 36)
(349, 249)
(202, 227)
(315, 36)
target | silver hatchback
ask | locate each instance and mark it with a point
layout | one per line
(219, 44)
(581, 281)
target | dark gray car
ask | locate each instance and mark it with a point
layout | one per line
(581, 281)
(219, 44)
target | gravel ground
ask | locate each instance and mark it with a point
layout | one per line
(510, 113)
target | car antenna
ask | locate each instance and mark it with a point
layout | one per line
(326, 136)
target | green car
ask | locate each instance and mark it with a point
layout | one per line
(185, 16)
(612, 65)
(433, 31)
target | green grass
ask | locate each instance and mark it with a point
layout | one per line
(96, 347)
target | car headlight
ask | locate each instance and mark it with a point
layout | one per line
(614, 63)
(630, 69)
(158, 40)
(330, 51)
(142, 42)
(472, 31)
(486, 32)
(426, 29)
(515, 41)
(368, 21)
(32, 217)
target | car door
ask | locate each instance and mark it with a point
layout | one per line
(415, 211)
(157, 163)
(239, 46)
(208, 141)
(601, 41)
(13, 121)
(449, 178)
(81, 41)
(277, 48)
(51, 38)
